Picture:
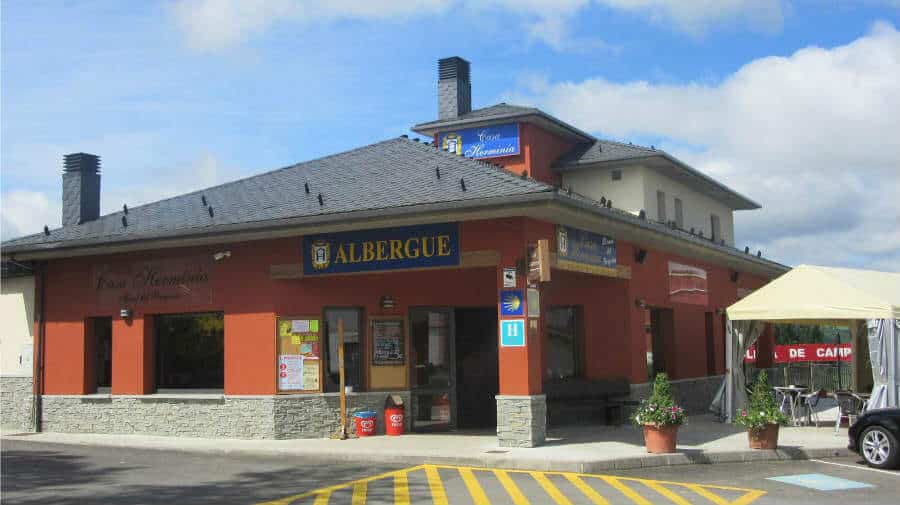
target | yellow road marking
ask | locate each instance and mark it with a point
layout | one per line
(550, 488)
(588, 491)
(718, 500)
(625, 490)
(750, 497)
(287, 500)
(475, 489)
(401, 489)
(322, 498)
(438, 495)
(674, 497)
(360, 489)
(511, 488)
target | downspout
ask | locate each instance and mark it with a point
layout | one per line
(38, 367)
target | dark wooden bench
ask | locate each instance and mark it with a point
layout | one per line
(574, 401)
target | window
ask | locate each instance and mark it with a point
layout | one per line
(679, 213)
(190, 350)
(563, 342)
(716, 228)
(617, 175)
(99, 334)
(661, 206)
(353, 345)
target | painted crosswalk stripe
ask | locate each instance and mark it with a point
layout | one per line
(595, 497)
(511, 488)
(625, 490)
(672, 496)
(550, 488)
(475, 489)
(438, 495)
(359, 493)
(401, 489)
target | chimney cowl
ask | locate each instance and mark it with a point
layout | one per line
(80, 188)
(454, 88)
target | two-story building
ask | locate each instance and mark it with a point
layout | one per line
(510, 255)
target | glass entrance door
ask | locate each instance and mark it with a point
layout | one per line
(433, 373)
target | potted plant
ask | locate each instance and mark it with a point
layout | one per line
(762, 417)
(660, 417)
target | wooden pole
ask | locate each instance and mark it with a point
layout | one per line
(342, 379)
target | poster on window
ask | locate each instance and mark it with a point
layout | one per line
(299, 354)
(388, 345)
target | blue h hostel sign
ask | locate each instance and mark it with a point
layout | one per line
(512, 333)
(433, 245)
(483, 142)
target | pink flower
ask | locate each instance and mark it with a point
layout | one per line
(743, 413)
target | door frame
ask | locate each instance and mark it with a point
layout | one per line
(451, 387)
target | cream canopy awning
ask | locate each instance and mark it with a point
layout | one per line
(816, 295)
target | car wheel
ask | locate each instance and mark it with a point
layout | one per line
(878, 447)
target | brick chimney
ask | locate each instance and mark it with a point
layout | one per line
(81, 188)
(454, 88)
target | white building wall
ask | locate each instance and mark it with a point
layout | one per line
(637, 190)
(16, 326)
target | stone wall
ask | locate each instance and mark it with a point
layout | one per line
(16, 400)
(521, 420)
(694, 395)
(209, 416)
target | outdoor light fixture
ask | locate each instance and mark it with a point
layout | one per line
(221, 255)
(640, 303)
(125, 313)
(388, 302)
(719, 311)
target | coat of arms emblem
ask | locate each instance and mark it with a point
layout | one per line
(321, 254)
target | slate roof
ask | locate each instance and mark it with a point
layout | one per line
(602, 150)
(387, 175)
(499, 112)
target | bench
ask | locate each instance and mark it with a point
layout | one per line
(572, 401)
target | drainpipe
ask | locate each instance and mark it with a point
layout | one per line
(38, 367)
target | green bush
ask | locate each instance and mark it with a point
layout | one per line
(660, 408)
(763, 410)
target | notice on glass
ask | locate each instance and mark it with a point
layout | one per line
(388, 344)
(291, 372)
(310, 375)
(300, 326)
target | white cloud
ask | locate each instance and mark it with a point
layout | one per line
(26, 212)
(213, 25)
(812, 136)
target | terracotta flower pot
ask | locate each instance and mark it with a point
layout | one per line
(766, 438)
(660, 439)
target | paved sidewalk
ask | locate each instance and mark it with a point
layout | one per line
(584, 449)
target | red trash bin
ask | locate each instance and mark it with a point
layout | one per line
(393, 420)
(365, 423)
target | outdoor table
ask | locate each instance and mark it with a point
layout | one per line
(792, 394)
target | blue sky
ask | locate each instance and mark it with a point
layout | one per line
(791, 102)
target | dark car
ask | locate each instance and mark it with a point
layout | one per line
(875, 435)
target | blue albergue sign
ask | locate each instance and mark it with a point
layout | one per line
(484, 142)
(584, 247)
(433, 245)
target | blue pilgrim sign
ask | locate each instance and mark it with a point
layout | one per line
(483, 142)
(591, 252)
(433, 245)
(512, 303)
(512, 332)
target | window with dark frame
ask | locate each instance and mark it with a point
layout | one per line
(679, 213)
(563, 342)
(716, 232)
(353, 348)
(190, 350)
(661, 206)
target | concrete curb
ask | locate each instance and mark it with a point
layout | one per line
(687, 457)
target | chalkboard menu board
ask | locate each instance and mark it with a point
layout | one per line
(299, 355)
(388, 345)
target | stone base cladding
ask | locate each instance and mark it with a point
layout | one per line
(521, 420)
(208, 416)
(16, 399)
(693, 395)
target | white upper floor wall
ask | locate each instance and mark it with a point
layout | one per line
(16, 326)
(637, 187)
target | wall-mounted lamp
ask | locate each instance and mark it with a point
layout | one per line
(221, 255)
(640, 255)
(735, 276)
(388, 302)
(640, 303)
(125, 313)
(720, 311)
